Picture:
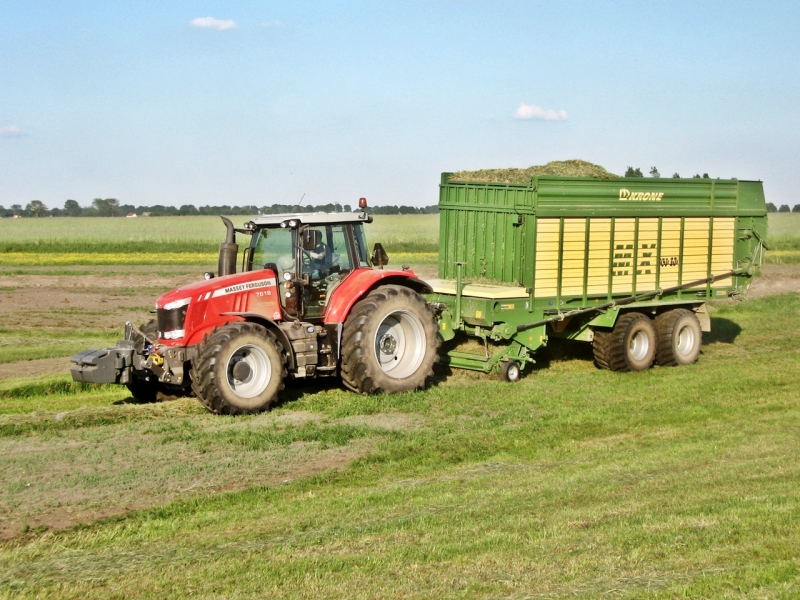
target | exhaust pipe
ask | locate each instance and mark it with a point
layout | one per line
(228, 251)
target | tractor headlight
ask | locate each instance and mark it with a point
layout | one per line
(171, 319)
(177, 303)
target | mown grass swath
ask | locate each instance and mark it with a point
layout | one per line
(674, 482)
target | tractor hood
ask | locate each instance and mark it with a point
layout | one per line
(219, 286)
(185, 315)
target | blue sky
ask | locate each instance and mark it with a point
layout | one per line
(261, 102)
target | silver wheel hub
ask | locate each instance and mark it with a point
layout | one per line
(388, 344)
(400, 344)
(686, 341)
(248, 371)
(639, 346)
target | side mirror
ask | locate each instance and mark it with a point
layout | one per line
(311, 239)
(379, 256)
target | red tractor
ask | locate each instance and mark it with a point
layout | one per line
(307, 303)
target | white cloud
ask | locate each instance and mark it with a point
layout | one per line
(531, 111)
(212, 23)
(271, 24)
(11, 131)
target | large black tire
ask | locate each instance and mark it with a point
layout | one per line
(238, 369)
(144, 391)
(390, 342)
(679, 338)
(629, 346)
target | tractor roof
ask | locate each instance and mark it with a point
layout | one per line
(314, 218)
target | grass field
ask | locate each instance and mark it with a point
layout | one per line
(574, 483)
(173, 240)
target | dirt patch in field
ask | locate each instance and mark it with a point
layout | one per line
(73, 303)
(390, 421)
(776, 279)
(35, 368)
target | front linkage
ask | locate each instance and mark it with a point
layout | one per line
(133, 362)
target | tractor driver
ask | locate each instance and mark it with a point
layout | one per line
(320, 261)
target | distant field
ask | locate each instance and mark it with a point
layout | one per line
(784, 238)
(195, 240)
(175, 240)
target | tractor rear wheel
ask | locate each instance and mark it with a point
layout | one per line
(679, 338)
(238, 369)
(629, 346)
(389, 342)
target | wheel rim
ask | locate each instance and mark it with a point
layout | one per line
(256, 381)
(686, 341)
(513, 372)
(400, 344)
(639, 346)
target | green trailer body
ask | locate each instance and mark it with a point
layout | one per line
(565, 256)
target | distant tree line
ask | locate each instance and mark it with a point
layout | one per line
(784, 208)
(111, 207)
(637, 172)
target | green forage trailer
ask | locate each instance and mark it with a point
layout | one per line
(626, 264)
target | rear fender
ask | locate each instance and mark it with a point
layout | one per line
(363, 281)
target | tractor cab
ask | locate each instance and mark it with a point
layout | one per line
(311, 254)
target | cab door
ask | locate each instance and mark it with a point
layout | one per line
(326, 266)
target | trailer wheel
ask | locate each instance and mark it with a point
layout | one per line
(679, 338)
(629, 346)
(510, 371)
(389, 342)
(238, 369)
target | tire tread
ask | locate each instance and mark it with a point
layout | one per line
(204, 383)
(355, 371)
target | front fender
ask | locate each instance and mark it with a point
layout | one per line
(361, 282)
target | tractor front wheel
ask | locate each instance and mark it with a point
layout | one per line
(238, 369)
(389, 342)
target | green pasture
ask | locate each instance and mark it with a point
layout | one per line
(674, 482)
(409, 239)
(173, 240)
(784, 238)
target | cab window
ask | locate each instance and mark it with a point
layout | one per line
(273, 248)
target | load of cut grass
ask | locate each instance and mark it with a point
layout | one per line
(561, 168)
